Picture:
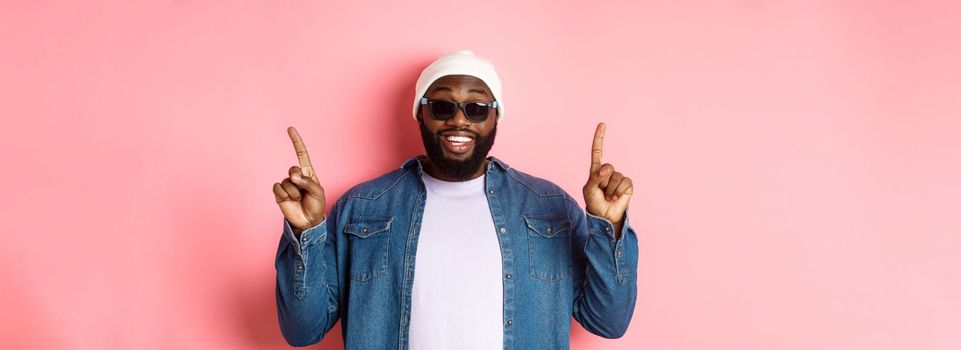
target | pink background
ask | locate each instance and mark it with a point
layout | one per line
(796, 168)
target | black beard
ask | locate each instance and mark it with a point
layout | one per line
(460, 170)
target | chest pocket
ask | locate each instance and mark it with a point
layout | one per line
(549, 246)
(369, 237)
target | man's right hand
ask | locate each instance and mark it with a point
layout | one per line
(300, 196)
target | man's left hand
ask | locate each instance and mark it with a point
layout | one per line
(607, 192)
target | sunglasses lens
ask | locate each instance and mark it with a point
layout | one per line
(477, 111)
(442, 110)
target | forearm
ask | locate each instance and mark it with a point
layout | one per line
(306, 287)
(609, 292)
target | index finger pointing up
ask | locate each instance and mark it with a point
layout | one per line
(302, 155)
(597, 149)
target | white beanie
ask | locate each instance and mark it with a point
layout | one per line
(460, 63)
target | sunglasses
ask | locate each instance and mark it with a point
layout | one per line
(442, 110)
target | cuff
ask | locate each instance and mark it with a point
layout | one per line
(600, 226)
(306, 237)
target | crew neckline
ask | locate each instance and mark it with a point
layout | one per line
(454, 188)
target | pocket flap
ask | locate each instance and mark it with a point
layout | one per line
(548, 226)
(364, 227)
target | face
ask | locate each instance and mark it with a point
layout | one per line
(457, 148)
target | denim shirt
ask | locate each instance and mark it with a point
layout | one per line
(358, 265)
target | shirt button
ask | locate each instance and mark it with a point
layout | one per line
(503, 229)
(508, 276)
(510, 322)
(365, 230)
(605, 229)
(491, 191)
(619, 253)
(548, 230)
(300, 266)
(304, 239)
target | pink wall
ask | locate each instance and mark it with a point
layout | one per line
(796, 168)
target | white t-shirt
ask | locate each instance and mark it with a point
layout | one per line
(458, 295)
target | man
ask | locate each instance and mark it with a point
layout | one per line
(455, 250)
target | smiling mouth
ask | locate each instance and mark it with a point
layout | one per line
(458, 144)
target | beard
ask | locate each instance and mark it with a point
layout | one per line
(462, 170)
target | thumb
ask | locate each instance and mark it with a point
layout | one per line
(601, 176)
(312, 187)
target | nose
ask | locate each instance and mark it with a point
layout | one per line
(459, 119)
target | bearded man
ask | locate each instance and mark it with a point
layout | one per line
(455, 249)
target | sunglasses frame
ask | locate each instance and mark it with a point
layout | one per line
(459, 105)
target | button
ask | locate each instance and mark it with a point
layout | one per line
(491, 191)
(619, 253)
(508, 276)
(503, 230)
(605, 229)
(548, 230)
(510, 322)
(304, 238)
(300, 266)
(365, 230)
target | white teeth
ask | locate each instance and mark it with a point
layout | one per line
(458, 139)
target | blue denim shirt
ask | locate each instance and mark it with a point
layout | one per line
(358, 265)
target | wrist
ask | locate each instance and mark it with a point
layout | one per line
(310, 224)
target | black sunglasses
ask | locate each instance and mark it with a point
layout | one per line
(476, 112)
